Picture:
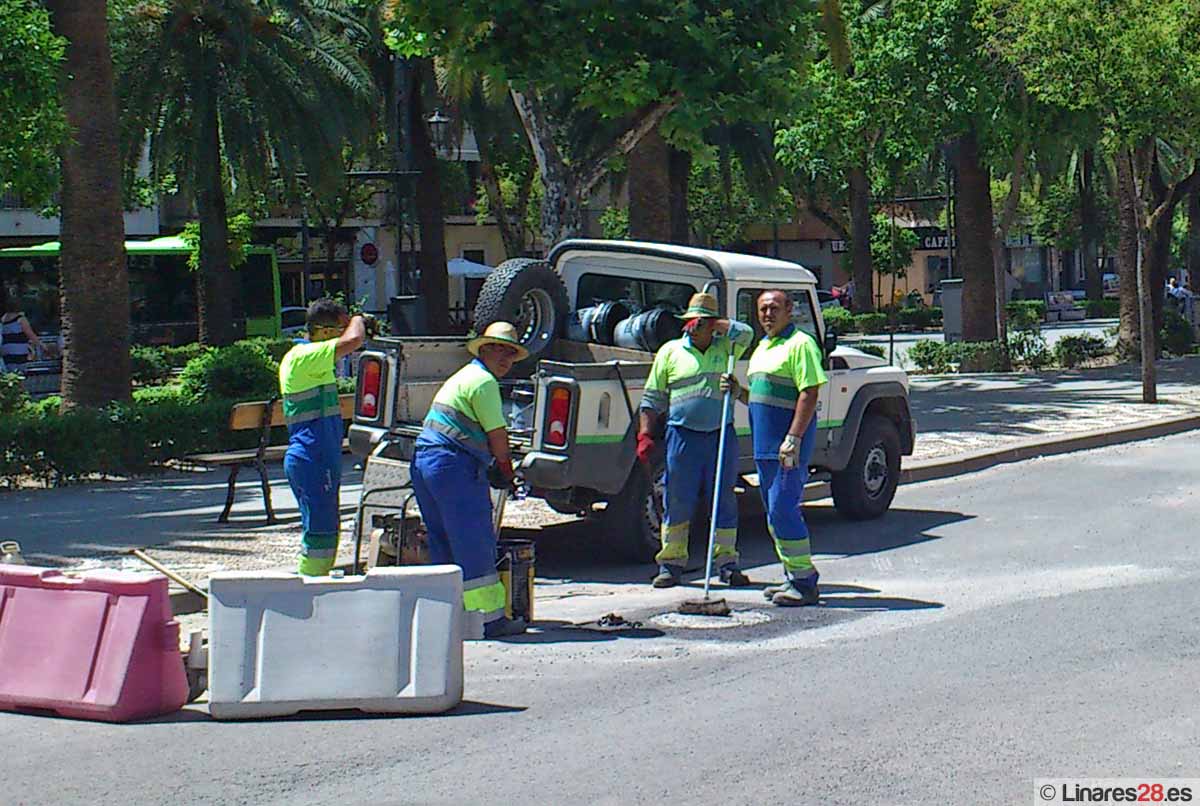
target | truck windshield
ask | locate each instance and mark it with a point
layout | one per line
(802, 313)
(597, 288)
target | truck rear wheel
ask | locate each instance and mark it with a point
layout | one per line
(865, 489)
(633, 518)
(529, 294)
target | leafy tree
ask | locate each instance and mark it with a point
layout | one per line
(34, 127)
(631, 63)
(233, 92)
(721, 204)
(95, 283)
(891, 250)
(1135, 67)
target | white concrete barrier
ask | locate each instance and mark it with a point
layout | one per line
(387, 642)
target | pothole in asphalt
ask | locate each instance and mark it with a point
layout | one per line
(738, 618)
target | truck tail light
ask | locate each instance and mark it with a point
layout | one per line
(370, 375)
(559, 416)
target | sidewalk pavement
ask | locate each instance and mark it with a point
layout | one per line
(959, 420)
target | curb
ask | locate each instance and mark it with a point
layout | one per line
(184, 602)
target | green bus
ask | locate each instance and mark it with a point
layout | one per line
(162, 289)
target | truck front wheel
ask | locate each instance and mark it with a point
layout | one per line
(633, 517)
(865, 489)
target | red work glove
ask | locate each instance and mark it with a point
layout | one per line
(645, 448)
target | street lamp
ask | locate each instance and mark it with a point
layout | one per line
(439, 129)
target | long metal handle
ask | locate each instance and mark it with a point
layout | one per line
(716, 488)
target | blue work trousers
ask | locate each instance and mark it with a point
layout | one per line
(691, 471)
(783, 498)
(315, 485)
(456, 505)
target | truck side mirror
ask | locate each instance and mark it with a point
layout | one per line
(830, 342)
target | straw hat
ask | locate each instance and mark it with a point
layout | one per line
(701, 306)
(498, 333)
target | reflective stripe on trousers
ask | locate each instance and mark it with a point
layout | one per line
(452, 492)
(691, 466)
(783, 498)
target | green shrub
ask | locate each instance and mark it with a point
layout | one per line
(242, 371)
(13, 396)
(871, 323)
(838, 319)
(148, 365)
(178, 357)
(977, 356)
(930, 356)
(276, 348)
(123, 439)
(1071, 351)
(920, 318)
(1027, 348)
(1176, 336)
(876, 350)
(1103, 308)
(1025, 314)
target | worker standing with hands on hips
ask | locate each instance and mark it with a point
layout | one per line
(684, 384)
(463, 449)
(785, 377)
(313, 462)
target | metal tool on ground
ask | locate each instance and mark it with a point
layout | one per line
(708, 606)
(167, 572)
(515, 565)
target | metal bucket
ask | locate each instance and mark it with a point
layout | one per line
(515, 565)
(648, 330)
(597, 323)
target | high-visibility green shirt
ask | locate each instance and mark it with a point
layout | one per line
(685, 382)
(463, 411)
(780, 368)
(310, 401)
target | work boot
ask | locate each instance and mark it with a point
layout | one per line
(771, 590)
(798, 593)
(498, 628)
(668, 576)
(732, 576)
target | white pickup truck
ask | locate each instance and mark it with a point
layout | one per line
(572, 407)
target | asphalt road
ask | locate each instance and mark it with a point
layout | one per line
(1034, 620)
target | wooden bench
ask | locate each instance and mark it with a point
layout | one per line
(263, 415)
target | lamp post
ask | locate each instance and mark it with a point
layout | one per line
(439, 129)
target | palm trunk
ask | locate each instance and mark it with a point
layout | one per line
(94, 277)
(1128, 331)
(435, 283)
(973, 232)
(1089, 226)
(650, 189)
(561, 214)
(1008, 215)
(680, 173)
(860, 240)
(215, 280)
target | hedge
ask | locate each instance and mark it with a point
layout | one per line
(1071, 351)
(120, 440)
(1103, 308)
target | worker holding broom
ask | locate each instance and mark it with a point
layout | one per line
(785, 376)
(313, 462)
(462, 449)
(684, 386)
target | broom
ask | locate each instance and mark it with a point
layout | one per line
(707, 606)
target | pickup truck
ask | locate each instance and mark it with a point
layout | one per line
(572, 406)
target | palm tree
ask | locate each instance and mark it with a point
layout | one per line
(95, 286)
(235, 92)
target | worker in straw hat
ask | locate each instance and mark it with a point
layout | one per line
(463, 449)
(684, 387)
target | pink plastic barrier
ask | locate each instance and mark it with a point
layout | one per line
(100, 645)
